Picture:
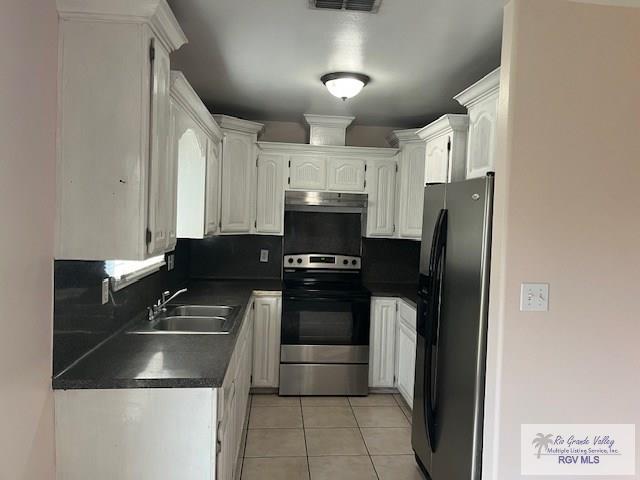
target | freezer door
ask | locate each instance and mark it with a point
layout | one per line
(462, 332)
(434, 198)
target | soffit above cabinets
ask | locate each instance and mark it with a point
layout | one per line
(264, 60)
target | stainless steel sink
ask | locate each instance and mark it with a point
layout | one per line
(201, 311)
(192, 319)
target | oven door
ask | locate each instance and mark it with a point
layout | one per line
(322, 328)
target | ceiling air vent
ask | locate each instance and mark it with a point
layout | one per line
(370, 6)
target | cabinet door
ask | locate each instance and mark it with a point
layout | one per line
(270, 190)
(307, 172)
(346, 174)
(212, 196)
(266, 342)
(482, 133)
(161, 191)
(192, 171)
(412, 160)
(405, 361)
(437, 159)
(382, 343)
(238, 164)
(381, 189)
(173, 168)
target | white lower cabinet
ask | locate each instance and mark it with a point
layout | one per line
(406, 351)
(392, 346)
(266, 342)
(161, 433)
(382, 342)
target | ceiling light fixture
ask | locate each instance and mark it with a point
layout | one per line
(344, 84)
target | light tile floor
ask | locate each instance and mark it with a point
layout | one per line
(333, 438)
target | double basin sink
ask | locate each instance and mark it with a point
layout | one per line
(192, 319)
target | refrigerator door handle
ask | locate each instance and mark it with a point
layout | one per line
(436, 270)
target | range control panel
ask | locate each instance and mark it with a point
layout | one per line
(321, 260)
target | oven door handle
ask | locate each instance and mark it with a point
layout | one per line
(313, 298)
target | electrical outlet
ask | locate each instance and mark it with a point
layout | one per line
(534, 297)
(105, 290)
(171, 261)
(264, 256)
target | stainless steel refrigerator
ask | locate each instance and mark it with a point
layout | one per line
(452, 329)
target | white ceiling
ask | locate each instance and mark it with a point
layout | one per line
(262, 59)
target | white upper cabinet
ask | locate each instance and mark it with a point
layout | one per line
(481, 101)
(212, 195)
(346, 174)
(307, 172)
(381, 190)
(238, 174)
(382, 342)
(411, 164)
(270, 194)
(196, 138)
(114, 193)
(446, 144)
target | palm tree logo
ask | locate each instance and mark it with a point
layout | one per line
(542, 441)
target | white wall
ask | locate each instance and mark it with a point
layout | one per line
(28, 42)
(293, 132)
(567, 212)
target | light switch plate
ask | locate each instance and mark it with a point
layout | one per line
(264, 256)
(534, 297)
(171, 261)
(105, 290)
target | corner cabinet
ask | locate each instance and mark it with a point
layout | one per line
(266, 341)
(239, 153)
(445, 148)
(481, 101)
(195, 147)
(115, 181)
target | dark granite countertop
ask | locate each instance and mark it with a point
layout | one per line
(406, 291)
(167, 361)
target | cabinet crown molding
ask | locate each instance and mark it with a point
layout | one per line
(397, 138)
(333, 150)
(483, 88)
(327, 129)
(328, 120)
(184, 94)
(237, 124)
(155, 13)
(444, 124)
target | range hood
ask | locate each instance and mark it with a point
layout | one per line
(325, 202)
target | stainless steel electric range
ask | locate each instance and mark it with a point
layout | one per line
(325, 326)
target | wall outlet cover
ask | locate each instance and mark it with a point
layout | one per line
(171, 261)
(534, 297)
(105, 290)
(264, 256)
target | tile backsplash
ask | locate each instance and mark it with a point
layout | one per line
(236, 257)
(390, 261)
(80, 321)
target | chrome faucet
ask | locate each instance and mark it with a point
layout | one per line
(161, 305)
